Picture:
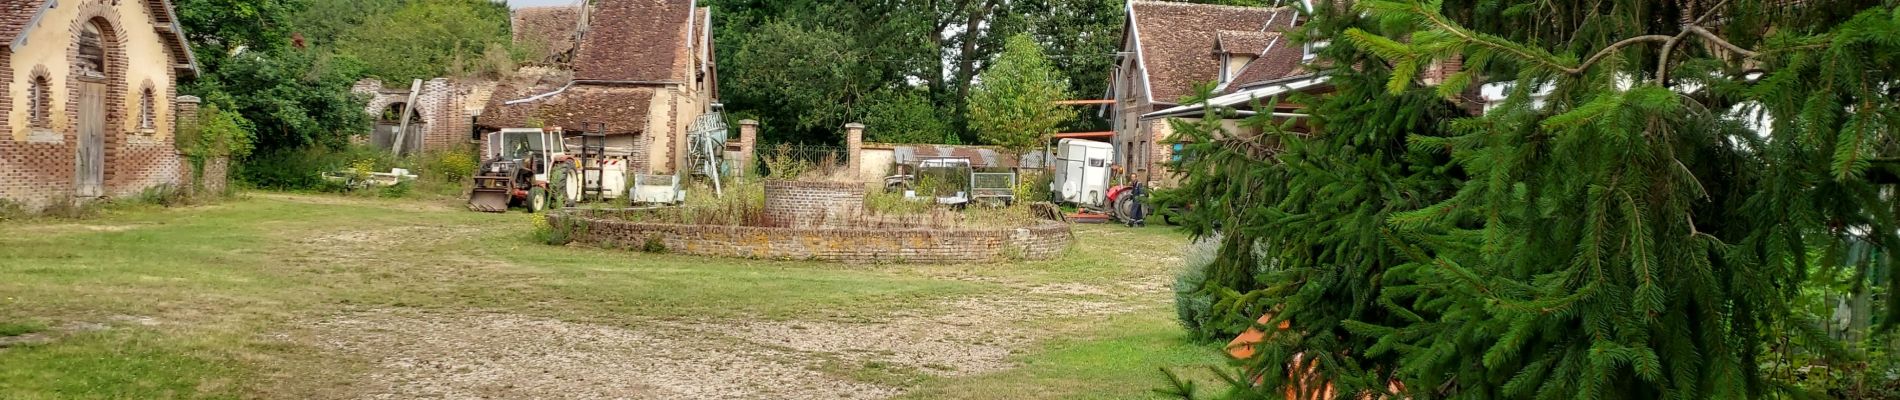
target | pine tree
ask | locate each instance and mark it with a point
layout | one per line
(1629, 235)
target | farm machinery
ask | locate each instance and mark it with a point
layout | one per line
(953, 181)
(542, 168)
(528, 167)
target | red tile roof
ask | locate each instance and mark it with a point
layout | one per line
(16, 11)
(1177, 40)
(1244, 42)
(1280, 62)
(552, 26)
(623, 108)
(637, 40)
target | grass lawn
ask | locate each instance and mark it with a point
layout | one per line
(310, 296)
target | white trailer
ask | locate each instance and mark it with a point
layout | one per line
(1081, 175)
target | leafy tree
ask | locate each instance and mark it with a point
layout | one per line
(1014, 103)
(292, 98)
(328, 23)
(218, 29)
(815, 81)
(428, 38)
(904, 116)
(1629, 235)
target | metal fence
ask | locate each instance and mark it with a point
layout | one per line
(796, 159)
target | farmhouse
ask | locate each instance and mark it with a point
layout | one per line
(1168, 48)
(641, 72)
(90, 98)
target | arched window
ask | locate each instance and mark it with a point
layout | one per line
(39, 98)
(92, 51)
(148, 111)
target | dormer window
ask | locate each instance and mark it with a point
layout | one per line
(1311, 50)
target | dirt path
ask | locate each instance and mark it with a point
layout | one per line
(436, 352)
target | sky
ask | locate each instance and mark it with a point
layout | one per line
(538, 3)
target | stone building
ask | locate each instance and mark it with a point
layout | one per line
(642, 70)
(442, 117)
(91, 99)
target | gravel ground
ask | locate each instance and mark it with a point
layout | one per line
(500, 356)
(415, 354)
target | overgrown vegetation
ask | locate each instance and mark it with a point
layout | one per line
(1637, 232)
(439, 174)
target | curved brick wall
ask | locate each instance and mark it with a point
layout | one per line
(1046, 240)
(811, 204)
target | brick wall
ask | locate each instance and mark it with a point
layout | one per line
(442, 106)
(811, 204)
(1044, 241)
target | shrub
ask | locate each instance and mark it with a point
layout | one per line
(1193, 302)
(289, 169)
(451, 166)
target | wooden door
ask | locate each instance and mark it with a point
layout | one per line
(91, 151)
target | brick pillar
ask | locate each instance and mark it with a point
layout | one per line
(748, 142)
(185, 117)
(185, 126)
(853, 144)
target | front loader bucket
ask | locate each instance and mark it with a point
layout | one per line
(492, 193)
(488, 201)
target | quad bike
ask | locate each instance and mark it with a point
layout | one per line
(527, 167)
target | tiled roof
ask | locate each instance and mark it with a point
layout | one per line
(16, 11)
(637, 40)
(1177, 40)
(553, 26)
(1281, 61)
(1244, 42)
(624, 109)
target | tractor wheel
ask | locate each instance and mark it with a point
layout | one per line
(537, 200)
(565, 178)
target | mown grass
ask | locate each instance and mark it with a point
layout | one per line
(188, 303)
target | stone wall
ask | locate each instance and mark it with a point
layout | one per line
(811, 204)
(1046, 240)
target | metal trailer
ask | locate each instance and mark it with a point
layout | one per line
(1081, 173)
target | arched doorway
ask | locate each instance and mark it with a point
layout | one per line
(390, 121)
(90, 73)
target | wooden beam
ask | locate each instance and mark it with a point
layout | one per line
(402, 130)
(1084, 102)
(1086, 135)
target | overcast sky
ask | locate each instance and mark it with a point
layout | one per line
(537, 3)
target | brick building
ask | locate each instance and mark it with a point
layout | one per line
(1168, 48)
(643, 68)
(442, 117)
(90, 98)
